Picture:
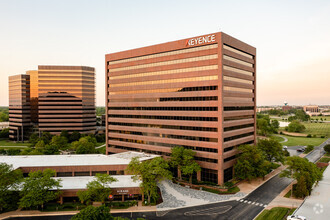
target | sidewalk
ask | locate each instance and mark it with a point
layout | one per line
(19, 213)
(248, 187)
(281, 201)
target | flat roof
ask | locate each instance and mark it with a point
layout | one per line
(317, 205)
(74, 159)
(124, 181)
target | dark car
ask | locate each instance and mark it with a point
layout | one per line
(301, 149)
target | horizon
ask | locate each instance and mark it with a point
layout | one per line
(292, 41)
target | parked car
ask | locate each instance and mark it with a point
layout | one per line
(285, 147)
(301, 149)
(296, 217)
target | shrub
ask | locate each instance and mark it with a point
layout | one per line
(229, 184)
(309, 135)
(327, 148)
(281, 132)
(309, 148)
(322, 136)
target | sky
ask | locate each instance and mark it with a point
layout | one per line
(292, 38)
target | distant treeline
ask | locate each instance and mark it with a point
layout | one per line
(4, 115)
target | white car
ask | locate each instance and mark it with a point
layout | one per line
(285, 147)
(296, 217)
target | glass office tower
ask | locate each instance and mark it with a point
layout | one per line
(198, 93)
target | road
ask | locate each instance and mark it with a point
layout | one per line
(245, 209)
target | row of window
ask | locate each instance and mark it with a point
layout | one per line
(185, 89)
(189, 128)
(237, 51)
(172, 136)
(237, 70)
(236, 89)
(237, 61)
(229, 78)
(238, 127)
(238, 136)
(169, 53)
(163, 81)
(163, 63)
(165, 72)
(183, 118)
(170, 99)
(165, 108)
(238, 117)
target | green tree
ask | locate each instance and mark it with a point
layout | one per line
(275, 124)
(271, 149)
(184, 160)
(34, 138)
(38, 188)
(85, 145)
(263, 127)
(295, 126)
(251, 163)
(94, 213)
(98, 189)
(298, 167)
(46, 137)
(4, 133)
(75, 136)
(65, 134)
(327, 148)
(149, 172)
(9, 183)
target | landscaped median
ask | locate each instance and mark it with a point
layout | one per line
(277, 213)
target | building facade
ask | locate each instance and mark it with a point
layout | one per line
(19, 107)
(198, 93)
(66, 99)
(54, 98)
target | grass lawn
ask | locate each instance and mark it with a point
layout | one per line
(288, 194)
(324, 160)
(12, 143)
(317, 129)
(327, 118)
(277, 213)
(302, 141)
(279, 139)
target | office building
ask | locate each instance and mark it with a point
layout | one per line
(19, 107)
(54, 98)
(66, 99)
(198, 93)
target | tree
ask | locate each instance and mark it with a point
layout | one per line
(65, 134)
(93, 213)
(295, 126)
(184, 160)
(98, 189)
(34, 138)
(263, 127)
(9, 183)
(275, 124)
(75, 136)
(298, 167)
(327, 148)
(251, 163)
(4, 133)
(149, 172)
(85, 145)
(271, 149)
(46, 137)
(38, 188)
(57, 143)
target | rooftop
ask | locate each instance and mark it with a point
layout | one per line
(74, 159)
(124, 181)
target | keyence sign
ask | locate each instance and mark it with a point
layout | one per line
(201, 40)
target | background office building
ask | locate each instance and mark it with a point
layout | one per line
(198, 93)
(19, 107)
(59, 98)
